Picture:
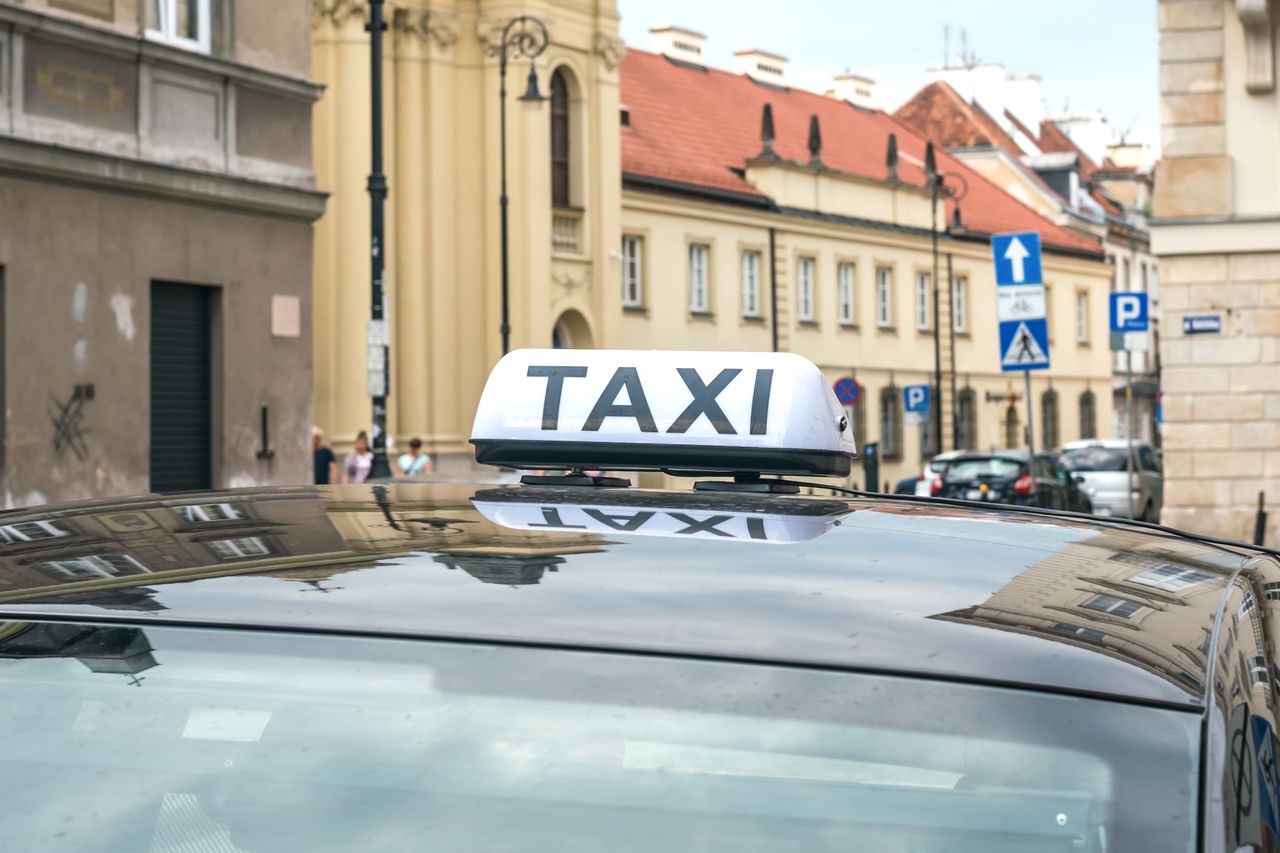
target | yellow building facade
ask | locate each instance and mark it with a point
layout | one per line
(636, 262)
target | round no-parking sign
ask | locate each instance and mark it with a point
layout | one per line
(847, 390)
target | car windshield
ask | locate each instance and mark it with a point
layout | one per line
(165, 739)
(984, 468)
(1094, 459)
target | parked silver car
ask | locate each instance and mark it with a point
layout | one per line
(1099, 466)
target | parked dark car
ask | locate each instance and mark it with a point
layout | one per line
(1006, 476)
(1078, 499)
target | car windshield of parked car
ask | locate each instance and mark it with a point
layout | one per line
(987, 468)
(164, 739)
(1084, 459)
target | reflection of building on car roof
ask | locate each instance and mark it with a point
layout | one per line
(735, 662)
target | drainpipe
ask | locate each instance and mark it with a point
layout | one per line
(773, 286)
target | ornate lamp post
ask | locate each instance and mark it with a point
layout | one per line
(525, 36)
(376, 345)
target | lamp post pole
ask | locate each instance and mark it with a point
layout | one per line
(935, 185)
(378, 361)
(525, 36)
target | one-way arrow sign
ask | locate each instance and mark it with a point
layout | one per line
(1017, 257)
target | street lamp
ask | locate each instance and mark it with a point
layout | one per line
(525, 36)
(378, 361)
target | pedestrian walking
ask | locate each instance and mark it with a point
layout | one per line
(355, 468)
(415, 462)
(325, 462)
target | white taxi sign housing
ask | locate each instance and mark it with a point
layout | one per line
(640, 410)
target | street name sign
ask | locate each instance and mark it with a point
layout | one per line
(1207, 324)
(1020, 302)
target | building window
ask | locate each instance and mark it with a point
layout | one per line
(699, 298)
(1012, 427)
(844, 293)
(1082, 317)
(1048, 311)
(884, 297)
(966, 419)
(30, 531)
(95, 566)
(804, 290)
(1121, 607)
(960, 304)
(201, 513)
(1049, 431)
(243, 548)
(632, 292)
(1122, 274)
(922, 301)
(560, 194)
(750, 284)
(1172, 578)
(1087, 633)
(891, 422)
(1271, 591)
(1258, 673)
(1146, 279)
(1088, 415)
(184, 23)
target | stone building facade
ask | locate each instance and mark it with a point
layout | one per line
(156, 201)
(1217, 235)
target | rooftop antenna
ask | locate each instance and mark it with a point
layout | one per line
(964, 47)
(946, 45)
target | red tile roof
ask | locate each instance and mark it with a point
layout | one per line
(696, 126)
(938, 112)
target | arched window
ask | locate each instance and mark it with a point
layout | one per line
(1012, 427)
(966, 420)
(1049, 431)
(560, 196)
(891, 422)
(1088, 415)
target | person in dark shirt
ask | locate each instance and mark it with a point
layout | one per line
(326, 462)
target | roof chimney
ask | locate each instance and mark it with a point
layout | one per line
(766, 134)
(891, 158)
(762, 66)
(678, 43)
(857, 90)
(815, 141)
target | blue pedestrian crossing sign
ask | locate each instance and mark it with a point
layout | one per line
(1020, 302)
(1129, 312)
(915, 398)
(1017, 257)
(1024, 345)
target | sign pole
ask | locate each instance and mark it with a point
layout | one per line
(1031, 427)
(1128, 416)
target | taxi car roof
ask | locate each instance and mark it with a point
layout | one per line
(986, 594)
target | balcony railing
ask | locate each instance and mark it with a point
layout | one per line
(566, 231)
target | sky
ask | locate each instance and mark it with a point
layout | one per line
(1089, 54)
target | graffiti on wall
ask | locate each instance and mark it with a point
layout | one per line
(67, 417)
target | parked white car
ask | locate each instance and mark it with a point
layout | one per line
(932, 470)
(1099, 466)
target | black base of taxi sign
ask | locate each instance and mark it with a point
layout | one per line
(687, 459)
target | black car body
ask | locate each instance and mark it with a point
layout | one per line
(457, 668)
(1006, 476)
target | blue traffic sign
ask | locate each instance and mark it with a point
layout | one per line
(1129, 312)
(1024, 345)
(847, 390)
(915, 398)
(1017, 258)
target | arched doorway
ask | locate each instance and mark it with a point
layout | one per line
(571, 332)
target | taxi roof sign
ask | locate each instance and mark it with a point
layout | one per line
(648, 410)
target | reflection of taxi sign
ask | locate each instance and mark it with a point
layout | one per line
(647, 410)
(775, 520)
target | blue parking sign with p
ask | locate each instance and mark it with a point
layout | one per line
(1129, 312)
(915, 398)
